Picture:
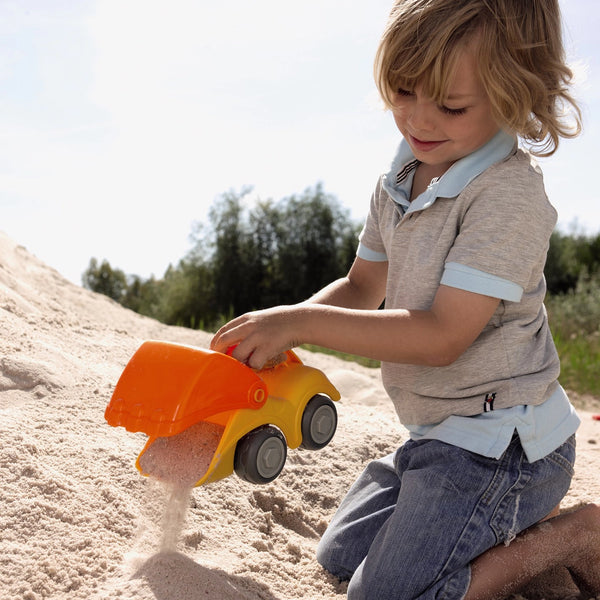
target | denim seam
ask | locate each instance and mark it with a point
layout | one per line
(496, 481)
(463, 541)
(507, 504)
(559, 460)
(452, 589)
(562, 462)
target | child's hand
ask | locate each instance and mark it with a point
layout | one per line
(261, 337)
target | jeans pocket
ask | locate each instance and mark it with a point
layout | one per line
(564, 456)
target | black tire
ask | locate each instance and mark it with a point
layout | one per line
(260, 455)
(319, 422)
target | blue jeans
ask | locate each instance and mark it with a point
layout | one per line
(413, 521)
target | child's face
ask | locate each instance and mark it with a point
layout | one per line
(441, 135)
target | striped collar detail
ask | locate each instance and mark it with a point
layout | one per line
(406, 171)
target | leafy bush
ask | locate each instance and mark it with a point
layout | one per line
(570, 259)
(575, 323)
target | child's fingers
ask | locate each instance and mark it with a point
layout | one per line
(276, 360)
(226, 336)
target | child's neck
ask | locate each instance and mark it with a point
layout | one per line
(423, 176)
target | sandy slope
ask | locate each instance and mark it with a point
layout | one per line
(78, 521)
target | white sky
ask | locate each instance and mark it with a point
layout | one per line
(122, 120)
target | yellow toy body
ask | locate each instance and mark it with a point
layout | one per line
(217, 389)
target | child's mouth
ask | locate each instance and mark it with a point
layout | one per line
(425, 146)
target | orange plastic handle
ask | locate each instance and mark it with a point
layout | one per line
(165, 388)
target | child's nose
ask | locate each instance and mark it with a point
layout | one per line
(421, 117)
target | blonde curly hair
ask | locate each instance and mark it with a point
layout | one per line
(520, 55)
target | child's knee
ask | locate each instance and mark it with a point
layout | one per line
(331, 555)
(323, 553)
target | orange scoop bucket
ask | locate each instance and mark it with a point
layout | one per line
(165, 388)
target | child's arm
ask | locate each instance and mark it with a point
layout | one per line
(344, 317)
(362, 288)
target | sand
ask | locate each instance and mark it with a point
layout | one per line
(182, 459)
(78, 521)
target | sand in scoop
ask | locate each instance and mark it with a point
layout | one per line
(182, 459)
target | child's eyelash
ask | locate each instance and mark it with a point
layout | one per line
(453, 111)
(444, 109)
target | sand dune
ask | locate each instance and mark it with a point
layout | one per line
(77, 520)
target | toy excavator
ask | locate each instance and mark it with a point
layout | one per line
(169, 389)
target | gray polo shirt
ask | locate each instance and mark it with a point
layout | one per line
(484, 226)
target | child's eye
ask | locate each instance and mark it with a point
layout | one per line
(402, 92)
(453, 111)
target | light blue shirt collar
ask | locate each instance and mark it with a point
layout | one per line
(453, 181)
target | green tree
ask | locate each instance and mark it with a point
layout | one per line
(262, 253)
(102, 278)
(571, 258)
(187, 296)
(230, 252)
(248, 255)
(262, 247)
(143, 296)
(314, 243)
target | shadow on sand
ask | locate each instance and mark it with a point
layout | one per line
(174, 576)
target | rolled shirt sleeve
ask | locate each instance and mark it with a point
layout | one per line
(473, 280)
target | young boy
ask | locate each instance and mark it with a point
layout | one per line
(455, 242)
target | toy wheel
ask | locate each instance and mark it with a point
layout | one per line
(319, 422)
(260, 455)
